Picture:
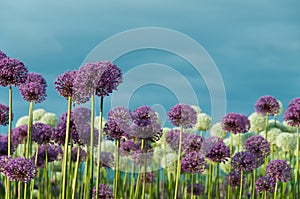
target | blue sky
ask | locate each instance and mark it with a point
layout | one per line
(255, 45)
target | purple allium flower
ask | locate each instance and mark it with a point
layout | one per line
(64, 83)
(279, 170)
(12, 72)
(19, 135)
(2, 55)
(150, 177)
(234, 178)
(80, 115)
(82, 155)
(127, 147)
(243, 161)
(41, 133)
(3, 161)
(193, 162)
(84, 134)
(219, 152)
(20, 169)
(267, 104)
(34, 88)
(144, 116)
(257, 145)
(292, 115)
(265, 183)
(144, 132)
(295, 101)
(107, 159)
(110, 79)
(104, 192)
(198, 189)
(4, 146)
(54, 153)
(182, 115)
(142, 157)
(4, 115)
(259, 160)
(235, 123)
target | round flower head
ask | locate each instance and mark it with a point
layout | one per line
(3, 161)
(265, 183)
(50, 119)
(272, 135)
(280, 107)
(38, 114)
(258, 145)
(12, 72)
(4, 146)
(144, 116)
(20, 169)
(127, 147)
(219, 152)
(19, 135)
(193, 162)
(54, 153)
(295, 101)
(243, 161)
(286, 141)
(234, 178)
(81, 115)
(104, 192)
(292, 115)
(34, 88)
(203, 122)
(267, 105)
(22, 121)
(2, 55)
(151, 132)
(107, 159)
(64, 83)
(182, 115)
(197, 109)
(198, 189)
(217, 131)
(82, 154)
(279, 170)
(4, 115)
(235, 123)
(109, 80)
(257, 122)
(41, 133)
(150, 177)
(288, 128)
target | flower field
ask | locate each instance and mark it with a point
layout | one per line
(128, 154)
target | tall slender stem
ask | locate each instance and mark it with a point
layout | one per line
(99, 148)
(241, 185)
(8, 189)
(91, 165)
(297, 162)
(276, 186)
(178, 163)
(76, 173)
(117, 144)
(192, 186)
(217, 182)
(267, 125)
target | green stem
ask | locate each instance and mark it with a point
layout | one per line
(139, 175)
(9, 122)
(217, 182)
(65, 158)
(86, 177)
(297, 162)
(192, 186)
(276, 186)
(117, 143)
(178, 164)
(76, 173)
(91, 165)
(145, 169)
(132, 181)
(241, 185)
(231, 148)
(267, 125)
(99, 148)
(253, 183)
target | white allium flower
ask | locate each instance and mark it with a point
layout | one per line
(286, 141)
(96, 122)
(37, 114)
(272, 135)
(197, 109)
(257, 122)
(22, 121)
(168, 162)
(217, 131)
(203, 122)
(291, 129)
(50, 119)
(280, 107)
(276, 124)
(158, 118)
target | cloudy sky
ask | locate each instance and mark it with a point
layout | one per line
(255, 46)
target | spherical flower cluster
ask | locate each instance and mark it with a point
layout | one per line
(82, 154)
(19, 135)
(279, 170)
(292, 115)
(280, 107)
(64, 83)
(286, 141)
(127, 147)
(41, 133)
(234, 178)
(142, 157)
(258, 145)
(4, 146)
(243, 161)
(257, 122)
(22, 121)
(193, 162)
(217, 131)
(104, 192)
(110, 79)
(150, 177)
(3, 161)
(81, 115)
(4, 115)
(235, 123)
(265, 183)
(144, 116)
(2, 55)
(182, 115)
(54, 153)
(219, 152)
(34, 88)
(203, 122)
(272, 135)
(50, 119)
(12, 72)
(198, 189)
(20, 169)
(37, 114)
(295, 101)
(267, 105)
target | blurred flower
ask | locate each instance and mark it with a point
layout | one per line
(41, 133)
(37, 114)
(127, 147)
(288, 128)
(81, 115)
(267, 104)
(144, 116)
(12, 72)
(167, 162)
(182, 115)
(257, 122)
(234, 178)
(235, 123)
(203, 122)
(20, 169)
(198, 189)
(54, 153)
(19, 135)
(193, 162)
(217, 131)
(50, 119)
(279, 170)
(22, 121)
(292, 115)
(107, 159)
(4, 146)
(104, 192)
(265, 183)
(258, 145)
(82, 154)
(97, 121)
(150, 177)
(34, 88)
(64, 83)
(197, 109)
(4, 115)
(286, 141)
(219, 152)
(272, 135)
(243, 161)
